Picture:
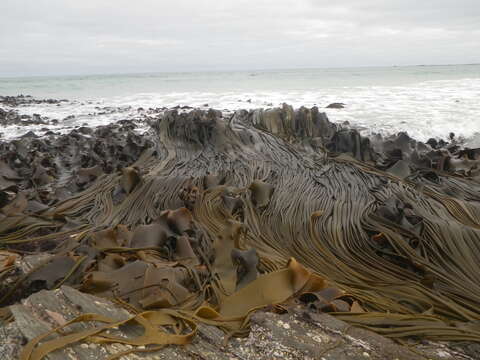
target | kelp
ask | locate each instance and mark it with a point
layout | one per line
(265, 208)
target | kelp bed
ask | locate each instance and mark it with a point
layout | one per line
(224, 216)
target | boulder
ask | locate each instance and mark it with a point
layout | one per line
(335, 105)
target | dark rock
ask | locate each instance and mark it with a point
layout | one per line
(433, 143)
(85, 130)
(335, 106)
(29, 134)
(15, 101)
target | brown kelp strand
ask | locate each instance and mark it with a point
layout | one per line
(214, 218)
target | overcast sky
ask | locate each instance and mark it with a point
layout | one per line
(43, 37)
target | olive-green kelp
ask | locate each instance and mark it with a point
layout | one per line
(387, 239)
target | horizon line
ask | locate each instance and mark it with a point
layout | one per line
(224, 70)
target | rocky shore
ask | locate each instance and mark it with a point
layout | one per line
(188, 226)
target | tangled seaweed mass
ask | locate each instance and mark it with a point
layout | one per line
(218, 217)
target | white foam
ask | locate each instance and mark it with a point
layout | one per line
(424, 110)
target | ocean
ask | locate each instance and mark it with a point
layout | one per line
(424, 101)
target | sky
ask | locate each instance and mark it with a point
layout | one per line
(56, 37)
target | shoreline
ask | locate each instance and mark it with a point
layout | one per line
(14, 120)
(391, 153)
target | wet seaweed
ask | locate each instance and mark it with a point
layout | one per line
(224, 216)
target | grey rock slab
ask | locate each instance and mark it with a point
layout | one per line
(298, 334)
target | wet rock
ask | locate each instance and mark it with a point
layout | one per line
(29, 134)
(12, 117)
(15, 101)
(433, 143)
(85, 130)
(335, 106)
(292, 336)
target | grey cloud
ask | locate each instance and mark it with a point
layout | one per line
(67, 36)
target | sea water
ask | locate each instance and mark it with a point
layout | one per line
(424, 101)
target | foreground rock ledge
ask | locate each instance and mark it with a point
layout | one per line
(295, 335)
